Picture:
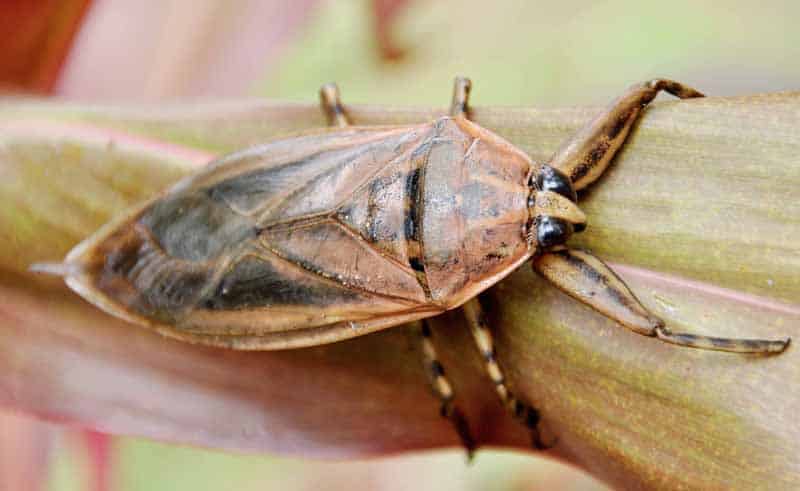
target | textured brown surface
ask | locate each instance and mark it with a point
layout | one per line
(633, 411)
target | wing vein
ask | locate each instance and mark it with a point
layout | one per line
(265, 247)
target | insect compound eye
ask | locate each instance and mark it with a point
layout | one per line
(552, 231)
(550, 179)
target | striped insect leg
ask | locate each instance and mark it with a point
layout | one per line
(525, 413)
(332, 105)
(585, 156)
(444, 390)
(587, 279)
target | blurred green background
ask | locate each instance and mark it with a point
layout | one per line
(569, 52)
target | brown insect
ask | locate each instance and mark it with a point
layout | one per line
(341, 232)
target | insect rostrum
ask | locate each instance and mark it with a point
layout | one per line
(344, 231)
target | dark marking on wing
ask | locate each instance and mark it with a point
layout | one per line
(341, 157)
(253, 282)
(258, 187)
(256, 184)
(172, 291)
(194, 227)
(133, 269)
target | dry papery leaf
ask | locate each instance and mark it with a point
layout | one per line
(699, 214)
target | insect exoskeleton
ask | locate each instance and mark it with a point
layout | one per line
(294, 243)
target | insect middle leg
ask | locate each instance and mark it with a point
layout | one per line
(332, 105)
(444, 390)
(585, 156)
(526, 414)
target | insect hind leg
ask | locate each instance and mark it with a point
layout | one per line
(332, 105)
(524, 413)
(444, 390)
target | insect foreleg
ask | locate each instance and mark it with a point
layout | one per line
(444, 390)
(332, 105)
(586, 278)
(587, 154)
(526, 414)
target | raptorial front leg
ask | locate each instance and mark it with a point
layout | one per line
(586, 278)
(585, 156)
(526, 414)
(332, 105)
(444, 390)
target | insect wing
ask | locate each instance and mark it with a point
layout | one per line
(255, 252)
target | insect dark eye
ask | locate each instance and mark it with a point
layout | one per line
(552, 231)
(550, 179)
